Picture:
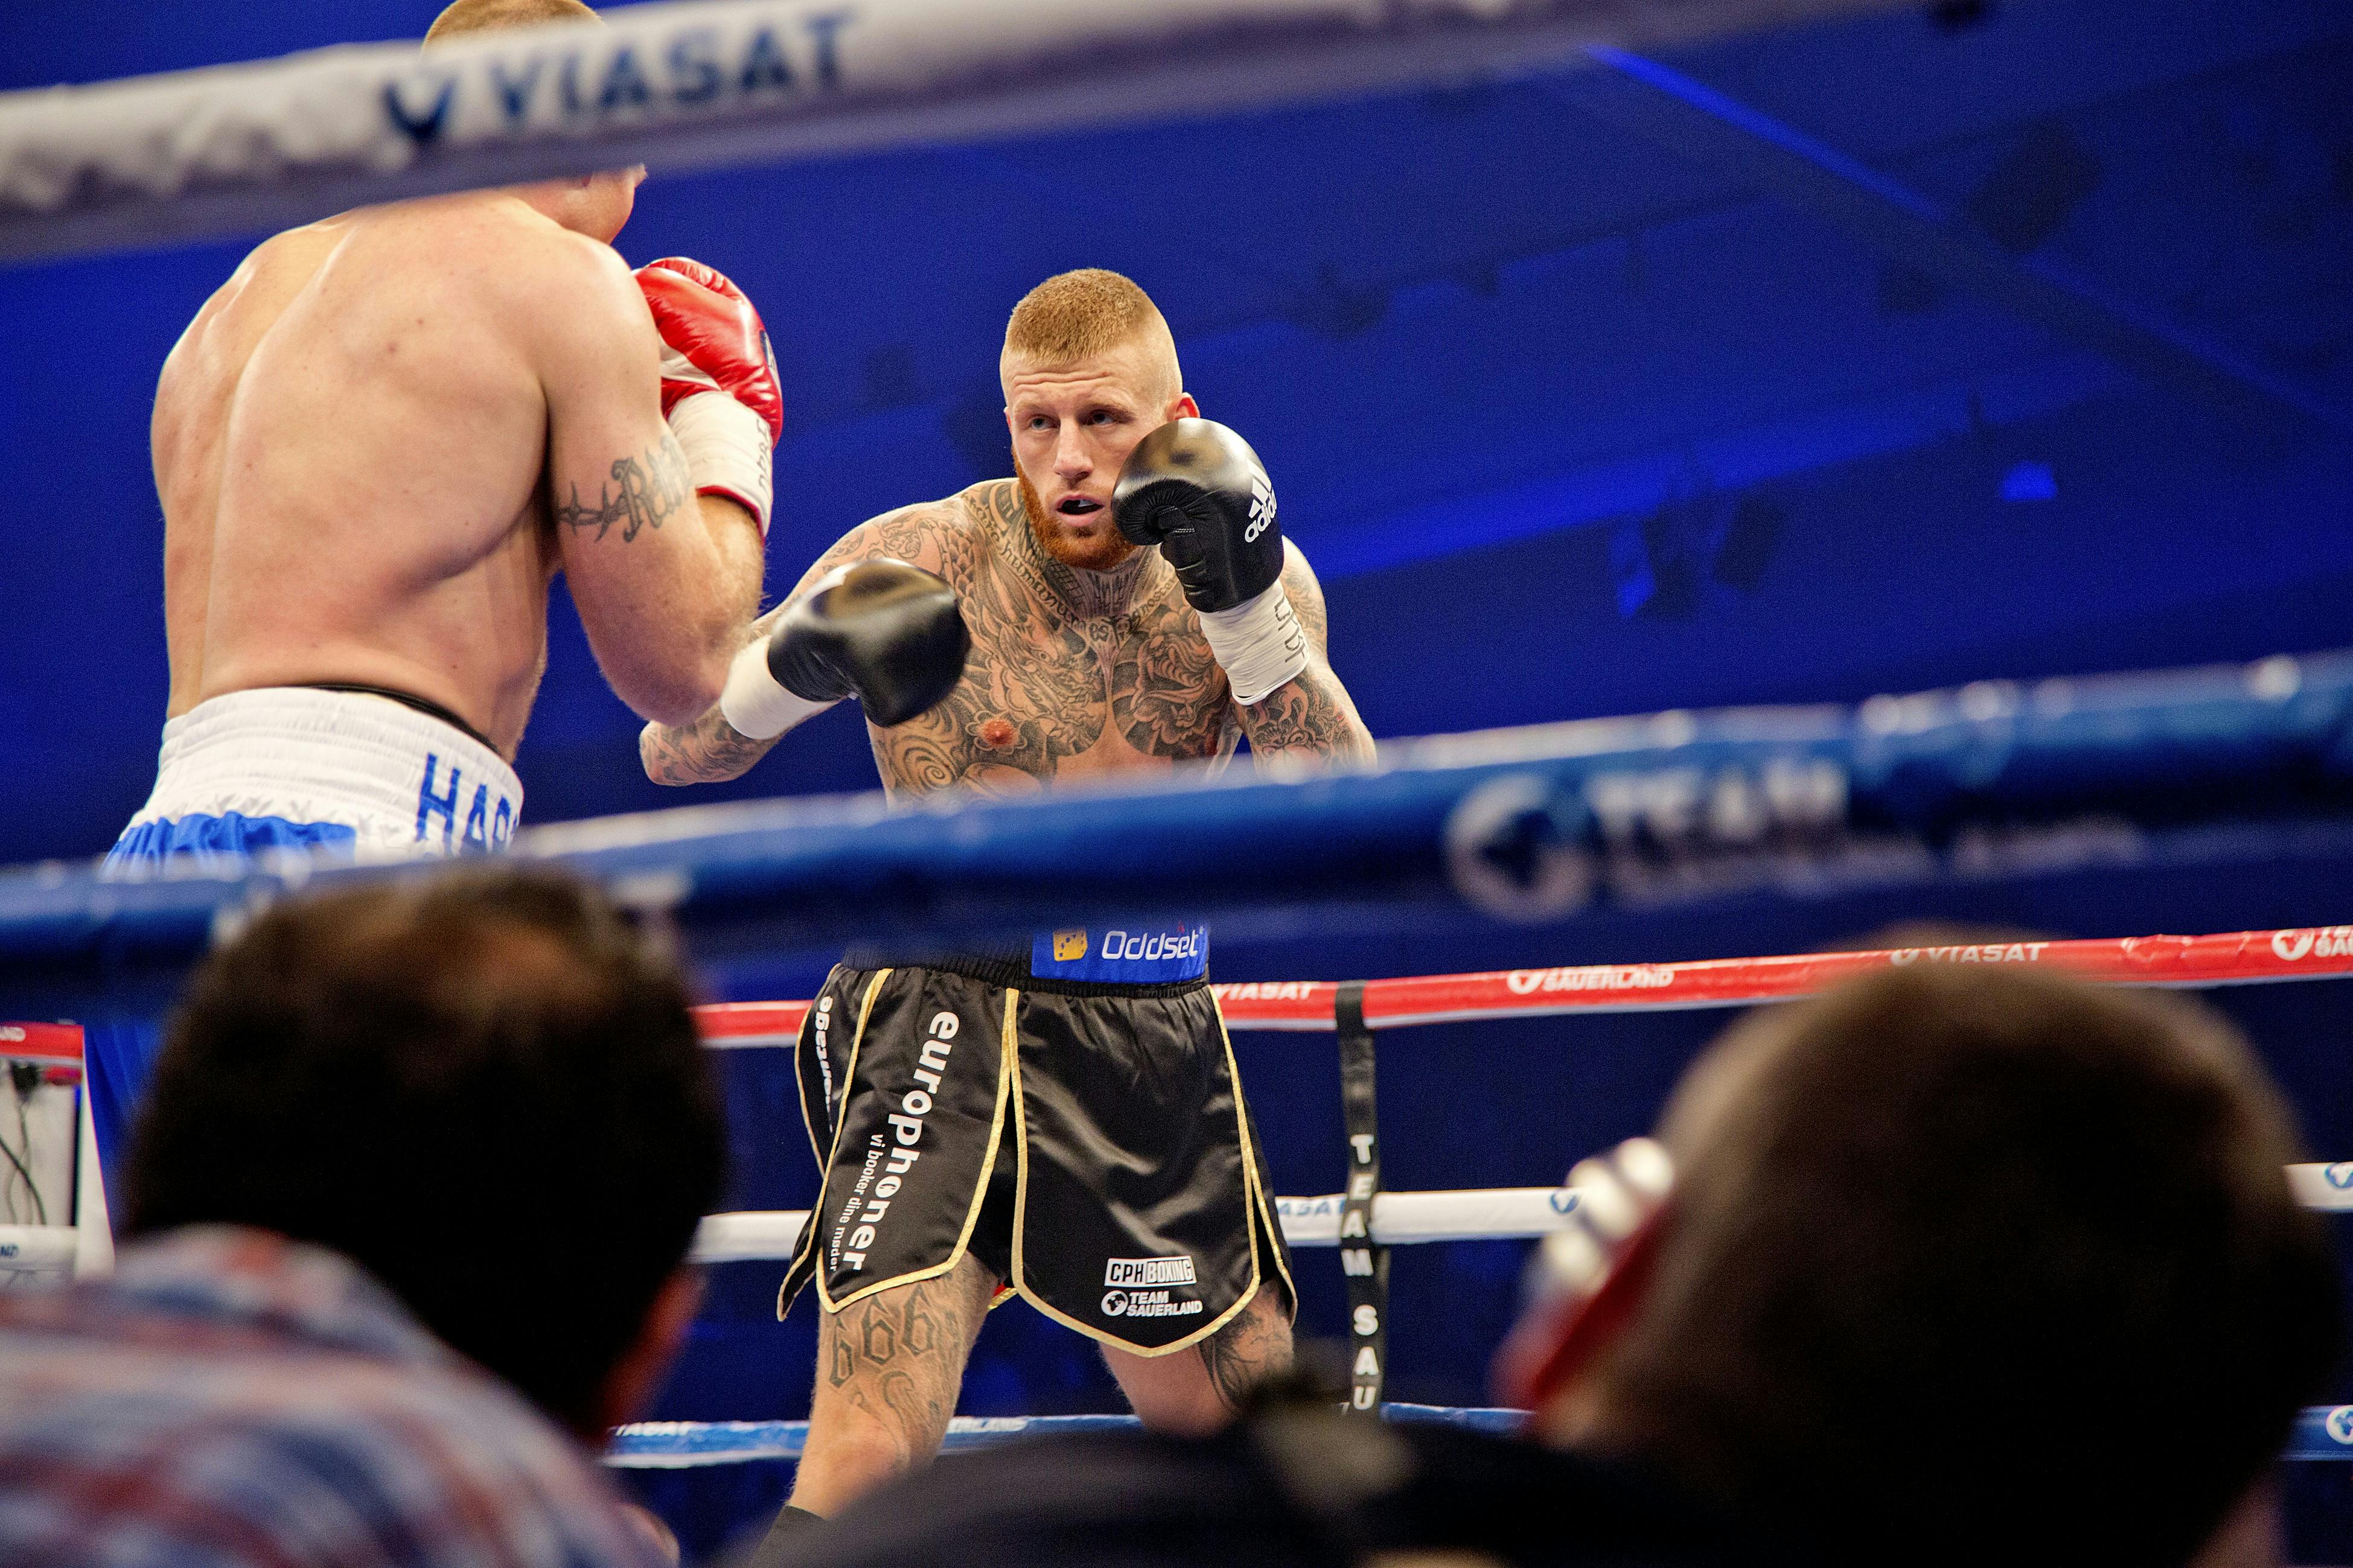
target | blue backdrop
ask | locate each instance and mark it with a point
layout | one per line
(1571, 423)
(1574, 416)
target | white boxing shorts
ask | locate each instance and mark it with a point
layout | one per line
(347, 774)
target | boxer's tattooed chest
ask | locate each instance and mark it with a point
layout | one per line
(1168, 697)
(1051, 689)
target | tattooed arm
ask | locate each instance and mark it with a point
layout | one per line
(664, 581)
(708, 748)
(1309, 719)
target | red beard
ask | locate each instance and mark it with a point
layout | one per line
(1098, 554)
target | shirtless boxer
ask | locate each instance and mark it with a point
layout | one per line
(375, 447)
(1107, 1171)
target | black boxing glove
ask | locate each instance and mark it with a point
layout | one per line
(1196, 489)
(890, 634)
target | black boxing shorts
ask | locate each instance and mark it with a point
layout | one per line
(1085, 1139)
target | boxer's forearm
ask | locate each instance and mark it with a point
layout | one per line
(709, 751)
(1308, 717)
(742, 561)
(719, 593)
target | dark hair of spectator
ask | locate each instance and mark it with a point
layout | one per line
(484, 1087)
(1970, 1266)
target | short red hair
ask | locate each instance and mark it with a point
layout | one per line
(464, 16)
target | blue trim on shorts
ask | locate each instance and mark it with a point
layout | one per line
(221, 843)
(120, 1052)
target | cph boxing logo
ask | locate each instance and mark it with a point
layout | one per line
(1146, 1271)
(1133, 1294)
(1262, 508)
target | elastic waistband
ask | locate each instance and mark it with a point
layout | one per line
(431, 709)
(1011, 972)
(404, 780)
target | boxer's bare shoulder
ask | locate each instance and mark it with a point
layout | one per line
(199, 379)
(937, 535)
(309, 538)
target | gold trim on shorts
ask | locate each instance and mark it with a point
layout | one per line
(980, 1188)
(1021, 1215)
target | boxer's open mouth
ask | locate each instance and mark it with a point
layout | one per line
(1077, 506)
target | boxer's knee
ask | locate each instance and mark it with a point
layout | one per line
(847, 1460)
(1200, 1390)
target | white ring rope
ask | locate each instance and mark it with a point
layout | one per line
(37, 1248)
(715, 82)
(1400, 1219)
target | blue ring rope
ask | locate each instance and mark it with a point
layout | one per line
(1531, 824)
(2321, 1434)
(685, 1444)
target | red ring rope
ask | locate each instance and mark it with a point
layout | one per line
(2233, 958)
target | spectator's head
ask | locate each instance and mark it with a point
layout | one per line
(1964, 1264)
(484, 1088)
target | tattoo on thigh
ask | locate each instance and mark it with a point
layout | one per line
(1245, 1353)
(652, 488)
(906, 1348)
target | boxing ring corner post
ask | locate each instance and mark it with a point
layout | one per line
(67, 1234)
(93, 1253)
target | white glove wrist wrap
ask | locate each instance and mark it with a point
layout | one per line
(1259, 643)
(727, 450)
(755, 702)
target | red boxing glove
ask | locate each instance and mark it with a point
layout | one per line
(719, 386)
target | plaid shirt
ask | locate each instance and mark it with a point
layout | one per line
(232, 1398)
